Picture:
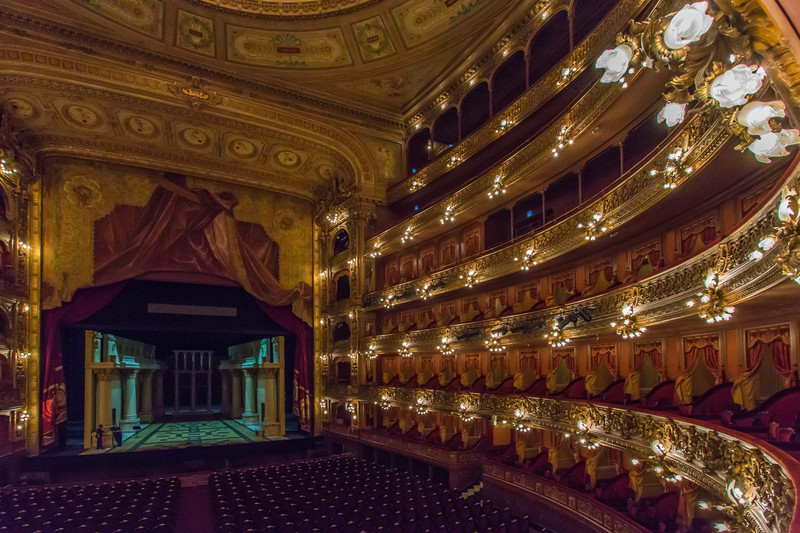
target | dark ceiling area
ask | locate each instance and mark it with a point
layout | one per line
(127, 316)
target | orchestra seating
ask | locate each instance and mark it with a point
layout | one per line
(120, 507)
(346, 494)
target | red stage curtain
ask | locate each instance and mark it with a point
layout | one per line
(84, 304)
(184, 232)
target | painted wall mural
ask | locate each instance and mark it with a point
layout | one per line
(302, 49)
(144, 16)
(195, 33)
(373, 39)
(79, 193)
(422, 20)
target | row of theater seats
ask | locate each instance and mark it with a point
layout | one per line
(347, 494)
(120, 507)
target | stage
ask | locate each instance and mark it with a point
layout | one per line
(186, 433)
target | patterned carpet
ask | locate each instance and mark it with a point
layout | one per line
(160, 436)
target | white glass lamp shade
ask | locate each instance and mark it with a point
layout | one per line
(688, 25)
(732, 87)
(755, 115)
(615, 62)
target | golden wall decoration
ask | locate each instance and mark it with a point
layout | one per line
(144, 16)
(288, 49)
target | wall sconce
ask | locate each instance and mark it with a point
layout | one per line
(503, 125)
(332, 218)
(323, 405)
(786, 237)
(390, 301)
(528, 258)
(712, 302)
(660, 466)
(555, 337)
(566, 72)
(464, 414)
(420, 407)
(470, 278)
(8, 167)
(493, 343)
(407, 235)
(626, 325)
(673, 168)
(415, 184)
(444, 348)
(384, 402)
(375, 251)
(454, 160)
(497, 188)
(372, 351)
(425, 291)
(519, 422)
(595, 227)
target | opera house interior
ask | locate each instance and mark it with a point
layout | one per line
(399, 265)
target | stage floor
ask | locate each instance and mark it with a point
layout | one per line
(183, 434)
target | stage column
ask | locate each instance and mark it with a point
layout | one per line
(130, 418)
(208, 377)
(236, 396)
(158, 395)
(225, 408)
(250, 415)
(270, 427)
(177, 382)
(194, 384)
(147, 397)
(104, 377)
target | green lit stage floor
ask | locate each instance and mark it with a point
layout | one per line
(183, 434)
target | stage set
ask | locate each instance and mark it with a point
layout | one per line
(214, 401)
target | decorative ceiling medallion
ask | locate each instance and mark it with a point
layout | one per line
(288, 9)
(326, 172)
(422, 20)
(144, 16)
(242, 148)
(81, 116)
(299, 49)
(141, 127)
(287, 159)
(194, 137)
(195, 33)
(19, 108)
(373, 40)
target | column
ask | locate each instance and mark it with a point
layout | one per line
(104, 376)
(147, 397)
(225, 408)
(236, 393)
(193, 385)
(158, 394)
(208, 375)
(130, 417)
(88, 408)
(177, 382)
(250, 415)
(270, 426)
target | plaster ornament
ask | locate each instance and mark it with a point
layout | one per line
(615, 62)
(755, 116)
(731, 88)
(773, 144)
(688, 25)
(672, 113)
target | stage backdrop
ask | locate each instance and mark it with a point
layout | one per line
(104, 224)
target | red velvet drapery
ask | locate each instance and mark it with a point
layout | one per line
(655, 358)
(780, 356)
(179, 231)
(569, 358)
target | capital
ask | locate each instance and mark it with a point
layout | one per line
(104, 374)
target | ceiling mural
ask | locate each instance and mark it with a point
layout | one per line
(144, 16)
(373, 39)
(422, 20)
(195, 33)
(299, 49)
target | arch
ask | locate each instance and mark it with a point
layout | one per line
(445, 129)
(341, 332)
(549, 46)
(418, 151)
(343, 287)
(341, 241)
(586, 14)
(475, 109)
(508, 81)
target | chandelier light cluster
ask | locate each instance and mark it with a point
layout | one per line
(519, 422)
(595, 227)
(454, 160)
(497, 188)
(323, 405)
(555, 337)
(503, 125)
(493, 343)
(419, 407)
(566, 73)
(463, 412)
(351, 408)
(444, 347)
(372, 351)
(673, 168)
(376, 252)
(528, 258)
(384, 402)
(708, 56)
(712, 304)
(390, 301)
(448, 215)
(562, 142)
(627, 324)
(332, 218)
(659, 464)
(425, 291)
(470, 278)
(8, 166)
(786, 239)
(407, 236)
(414, 185)
(735, 512)
(405, 348)
(582, 436)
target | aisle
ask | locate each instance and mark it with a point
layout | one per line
(194, 510)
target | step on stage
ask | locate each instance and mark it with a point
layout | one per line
(182, 434)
